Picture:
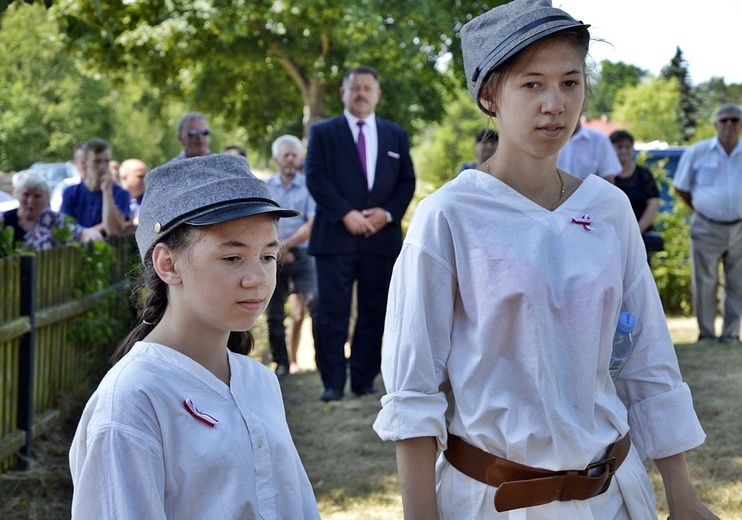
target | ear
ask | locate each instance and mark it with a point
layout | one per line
(488, 105)
(164, 262)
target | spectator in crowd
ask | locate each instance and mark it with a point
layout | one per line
(194, 136)
(485, 145)
(78, 157)
(637, 183)
(360, 174)
(503, 307)
(97, 202)
(132, 172)
(589, 152)
(233, 149)
(34, 224)
(709, 180)
(186, 425)
(289, 189)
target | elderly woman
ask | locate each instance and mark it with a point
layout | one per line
(33, 222)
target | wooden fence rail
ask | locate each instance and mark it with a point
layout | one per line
(40, 353)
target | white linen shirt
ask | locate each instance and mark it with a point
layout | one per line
(588, 152)
(713, 178)
(139, 453)
(506, 342)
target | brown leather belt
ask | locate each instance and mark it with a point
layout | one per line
(519, 485)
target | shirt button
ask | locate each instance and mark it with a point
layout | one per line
(260, 444)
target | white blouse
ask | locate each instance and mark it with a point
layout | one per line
(499, 328)
(140, 453)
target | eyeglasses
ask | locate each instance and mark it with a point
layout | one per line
(194, 133)
(733, 120)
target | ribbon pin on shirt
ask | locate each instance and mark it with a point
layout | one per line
(198, 414)
(584, 221)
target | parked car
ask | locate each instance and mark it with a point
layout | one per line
(54, 173)
(653, 156)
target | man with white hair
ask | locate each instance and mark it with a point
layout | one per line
(297, 268)
(709, 180)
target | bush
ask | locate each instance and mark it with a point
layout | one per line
(672, 267)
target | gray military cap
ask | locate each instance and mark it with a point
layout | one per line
(200, 191)
(490, 39)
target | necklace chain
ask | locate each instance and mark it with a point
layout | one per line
(561, 184)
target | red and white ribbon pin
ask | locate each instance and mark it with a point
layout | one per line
(584, 221)
(198, 414)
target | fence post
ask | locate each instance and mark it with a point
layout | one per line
(26, 355)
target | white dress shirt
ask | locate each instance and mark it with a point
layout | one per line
(589, 152)
(713, 178)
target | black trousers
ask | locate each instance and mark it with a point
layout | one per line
(336, 275)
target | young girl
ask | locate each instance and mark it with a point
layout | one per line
(503, 306)
(182, 426)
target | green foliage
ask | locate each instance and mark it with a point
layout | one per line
(268, 66)
(605, 86)
(688, 109)
(649, 110)
(672, 267)
(46, 105)
(6, 240)
(99, 325)
(443, 147)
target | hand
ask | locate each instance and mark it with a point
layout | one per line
(691, 509)
(90, 234)
(357, 224)
(377, 217)
(106, 182)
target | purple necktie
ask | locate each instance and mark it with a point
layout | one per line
(361, 145)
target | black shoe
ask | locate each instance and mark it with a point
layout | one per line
(369, 390)
(705, 339)
(332, 395)
(282, 370)
(729, 340)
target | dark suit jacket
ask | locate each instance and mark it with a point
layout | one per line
(336, 180)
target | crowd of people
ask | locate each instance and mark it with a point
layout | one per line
(496, 311)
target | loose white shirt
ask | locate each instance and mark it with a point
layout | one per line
(588, 152)
(713, 177)
(499, 329)
(139, 453)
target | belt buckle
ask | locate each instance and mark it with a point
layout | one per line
(610, 462)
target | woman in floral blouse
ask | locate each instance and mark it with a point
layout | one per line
(34, 224)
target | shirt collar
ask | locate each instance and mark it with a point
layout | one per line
(353, 120)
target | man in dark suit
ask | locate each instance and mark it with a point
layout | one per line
(362, 179)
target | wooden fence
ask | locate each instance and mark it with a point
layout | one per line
(42, 353)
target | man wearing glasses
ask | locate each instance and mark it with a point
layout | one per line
(709, 180)
(194, 135)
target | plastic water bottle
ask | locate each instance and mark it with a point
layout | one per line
(623, 343)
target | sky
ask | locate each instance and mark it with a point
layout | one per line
(645, 33)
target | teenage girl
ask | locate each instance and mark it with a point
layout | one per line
(503, 306)
(184, 426)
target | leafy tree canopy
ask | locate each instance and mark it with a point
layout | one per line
(273, 66)
(649, 110)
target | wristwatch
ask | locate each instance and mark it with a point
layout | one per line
(389, 217)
